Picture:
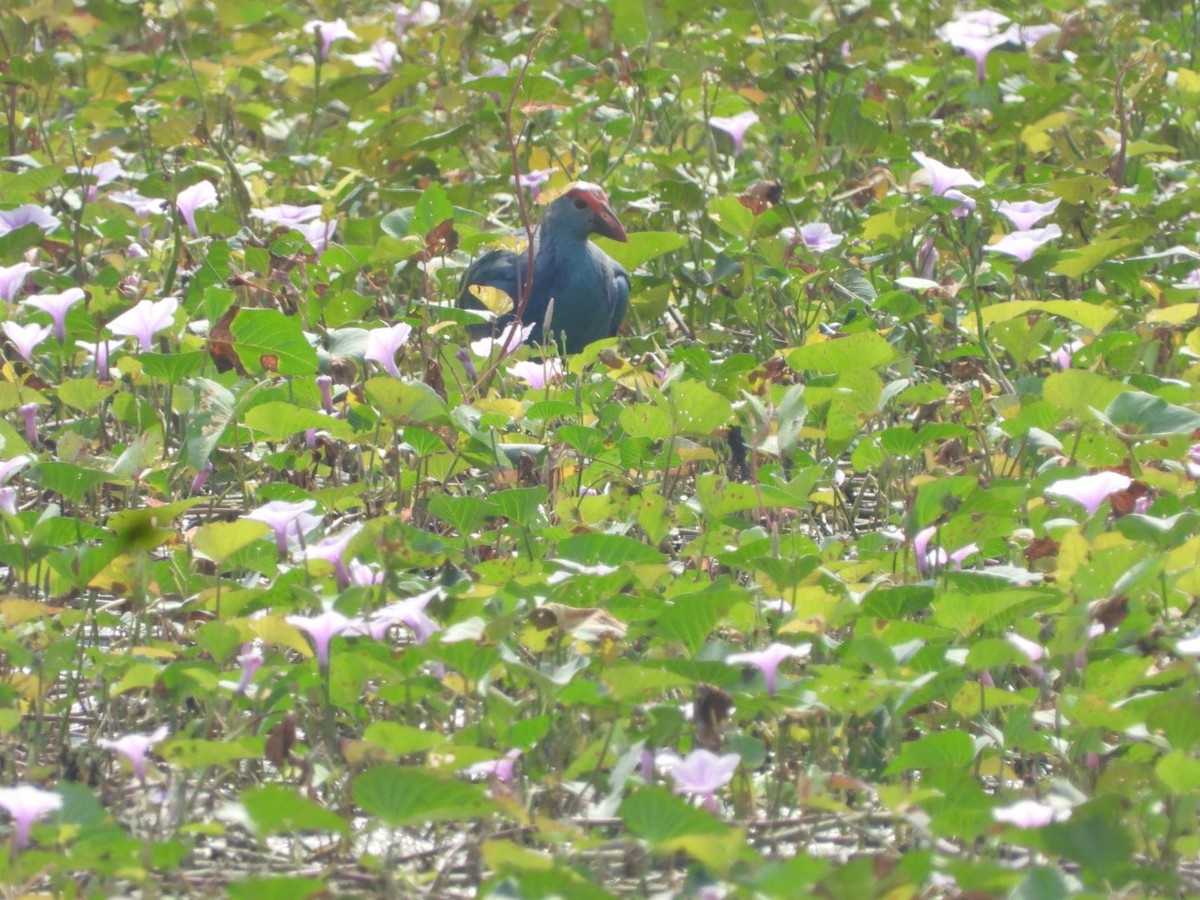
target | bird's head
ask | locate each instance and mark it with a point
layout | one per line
(582, 210)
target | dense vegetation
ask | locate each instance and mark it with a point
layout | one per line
(862, 563)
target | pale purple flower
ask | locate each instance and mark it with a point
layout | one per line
(1188, 646)
(201, 477)
(533, 181)
(26, 337)
(1031, 650)
(927, 257)
(1030, 814)
(322, 629)
(135, 747)
(382, 344)
(318, 233)
(768, 659)
(8, 500)
(145, 320)
(817, 237)
(332, 549)
(325, 386)
(329, 32)
(537, 374)
(29, 412)
(701, 773)
(1027, 213)
(100, 174)
(423, 13)
(200, 195)
(283, 517)
(56, 306)
(12, 279)
(1191, 280)
(502, 769)
(363, 575)
(966, 205)
(927, 559)
(26, 804)
(1090, 491)
(409, 612)
(382, 56)
(99, 351)
(251, 660)
(977, 34)
(735, 126)
(1065, 354)
(29, 214)
(943, 177)
(960, 555)
(287, 215)
(141, 206)
(1191, 464)
(1023, 244)
(9, 468)
(511, 337)
(1031, 35)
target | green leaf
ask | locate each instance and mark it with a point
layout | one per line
(407, 403)
(268, 341)
(520, 505)
(84, 394)
(405, 795)
(218, 541)
(698, 409)
(276, 888)
(607, 549)
(731, 216)
(862, 350)
(1090, 315)
(968, 613)
(642, 247)
(433, 208)
(1149, 417)
(208, 421)
(1077, 391)
(658, 816)
(276, 809)
(172, 368)
(193, 753)
(73, 482)
(278, 420)
(940, 750)
(402, 740)
(1075, 263)
(645, 420)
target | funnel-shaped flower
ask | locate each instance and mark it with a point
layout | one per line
(11, 467)
(283, 517)
(512, 337)
(1027, 213)
(701, 773)
(287, 215)
(145, 320)
(200, 195)
(12, 280)
(1030, 814)
(332, 549)
(318, 233)
(26, 804)
(381, 57)
(424, 13)
(251, 660)
(56, 306)
(26, 337)
(943, 177)
(329, 32)
(99, 174)
(977, 34)
(1030, 35)
(503, 768)
(382, 344)
(135, 747)
(1090, 491)
(410, 613)
(29, 214)
(99, 351)
(819, 237)
(735, 126)
(1023, 244)
(322, 629)
(537, 374)
(768, 659)
(533, 181)
(141, 206)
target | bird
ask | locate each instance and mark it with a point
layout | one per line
(589, 288)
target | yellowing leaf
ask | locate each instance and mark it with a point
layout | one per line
(496, 300)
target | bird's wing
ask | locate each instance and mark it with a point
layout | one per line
(620, 298)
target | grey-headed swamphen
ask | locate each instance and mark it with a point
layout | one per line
(590, 289)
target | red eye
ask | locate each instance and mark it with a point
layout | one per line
(580, 204)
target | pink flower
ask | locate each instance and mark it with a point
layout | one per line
(1031, 35)
(99, 351)
(1090, 491)
(503, 769)
(363, 575)
(537, 374)
(251, 660)
(287, 215)
(966, 205)
(26, 804)
(99, 174)
(1188, 646)
(329, 32)
(201, 477)
(141, 206)
(8, 500)
(768, 659)
(1030, 814)
(817, 237)
(701, 772)
(145, 320)
(1023, 244)
(26, 337)
(410, 613)
(735, 126)
(12, 279)
(1031, 650)
(943, 177)
(11, 467)
(325, 386)
(383, 343)
(318, 233)
(1191, 464)
(29, 412)
(29, 214)
(1065, 354)
(423, 13)
(283, 516)
(1027, 213)
(332, 549)
(200, 195)
(534, 180)
(135, 747)
(513, 335)
(977, 34)
(322, 629)
(928, 559)
(382, 56)
(56, 306)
